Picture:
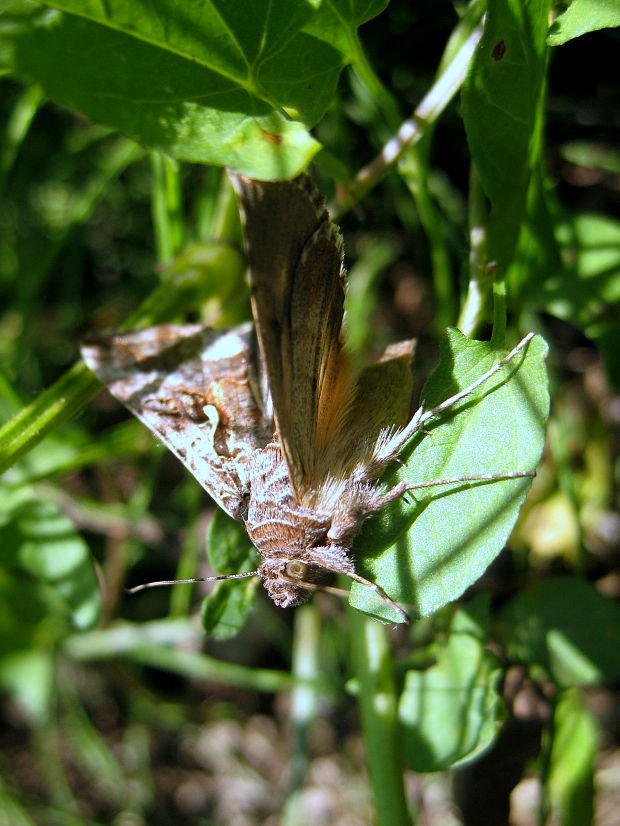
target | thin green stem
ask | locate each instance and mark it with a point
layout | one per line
(53, 407)
(226, 223)
(52, 769)
(414, 169)
(17, 126)
(152, 644)
(560, 440)
(498, 336)
(306, 680)
(366, 73)
(443, 90)
(191, 549)
(480, 278)
(166, 206)
(372, 664)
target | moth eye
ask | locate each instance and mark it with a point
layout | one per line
(297, 570)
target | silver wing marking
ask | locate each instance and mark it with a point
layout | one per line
(198, 390)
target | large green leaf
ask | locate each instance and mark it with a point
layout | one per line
(212, 85)
(503, 101)
(451, 711)
(426, 551)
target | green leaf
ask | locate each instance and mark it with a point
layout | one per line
(12, 809)
(212, 85)
(28, 674)
(503, 101)
(426, 552)
(570, 779)
(337, 21)
(47, 587)
(566, 626)
(450, 713)
(225, 611)
(584, 16)
(586, 290)
(41, 542)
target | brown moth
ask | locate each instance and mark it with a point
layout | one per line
(271, 419)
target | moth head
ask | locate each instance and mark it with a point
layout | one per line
(290, 581)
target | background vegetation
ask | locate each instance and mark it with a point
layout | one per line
(498, 214)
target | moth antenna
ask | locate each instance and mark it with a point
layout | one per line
(146, 585)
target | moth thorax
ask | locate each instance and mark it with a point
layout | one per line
(289, 581)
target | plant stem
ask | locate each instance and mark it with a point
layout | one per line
(372, 664)
(53, 407)
(153, 644)
(413, 168)
(498, 336)
(306, 680)
(191, 550)
(366, 73)
(480, 278)
(445, 87)
(166, 203)
(17, 126)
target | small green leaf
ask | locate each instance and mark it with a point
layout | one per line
(426, 551)
(40, 541)
(584, 16)
(570, 779)
(450, 713)
(225, 611)
(228, 546)
(47, 588)
(585, 289)
(28, 674)
(566, 626)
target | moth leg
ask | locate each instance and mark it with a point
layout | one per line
(402, 487)
(389, 450)
(381, 593)
(350, 573)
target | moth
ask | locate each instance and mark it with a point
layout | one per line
(271, 418)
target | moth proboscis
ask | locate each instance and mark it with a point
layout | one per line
(271, 419)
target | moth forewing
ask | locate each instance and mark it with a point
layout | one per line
(297, 285)
(194, 389)
(428, 546)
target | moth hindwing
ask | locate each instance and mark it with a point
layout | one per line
(273, 421)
